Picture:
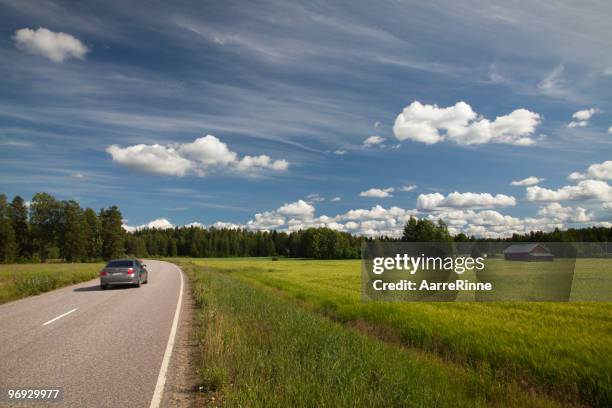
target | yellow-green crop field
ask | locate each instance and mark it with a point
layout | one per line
(21, 280)
(504, 354)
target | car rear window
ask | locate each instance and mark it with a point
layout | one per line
(120, 264)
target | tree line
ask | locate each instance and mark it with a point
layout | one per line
(50, 229)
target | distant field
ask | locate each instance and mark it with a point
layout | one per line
(21, 280)
(561, 350)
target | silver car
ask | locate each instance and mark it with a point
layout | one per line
(123, 272)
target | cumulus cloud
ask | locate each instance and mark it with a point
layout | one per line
(262, 162)
(299, 209)
(335, 199)
(434, 201)
(431, 124)
(340, 152)
(373, 140)
(381, 221)
(378, 192)
(610, 130)
(558, 213)
(529, 181)
(160, 223)
(581, 118)
(156, 159)
(576, 176)
(208, 150)
(408, 188)
(198, 157)
(601, 171)
(585, 190)
(55, 46)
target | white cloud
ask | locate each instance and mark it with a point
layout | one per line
(576, 176)
(459, 123)
(408, 188)
(378, 192)
(340, 152)
(335, 199)
(529, 181)
(160, 223)
(262, 162)
(266, 221)
(610, 130)
(78, 176)
(55, 46)
(585, 190)
(226, 225)
(155, 159)
(553, 84)
(373, 140)
(430, 202)
(314, 198)
(198, 157)
(208, 150)
(195, 224)
(601, 171)
(558, 213)
(299, 208)
(582, 117)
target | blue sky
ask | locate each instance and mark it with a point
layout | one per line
(257, 113)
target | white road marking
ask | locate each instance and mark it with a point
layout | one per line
(161, 378)
(60, 316)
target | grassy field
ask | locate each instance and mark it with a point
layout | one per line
(263, 350)
(21, 280)
(561, 351)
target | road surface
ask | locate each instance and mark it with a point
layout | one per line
(104, 348)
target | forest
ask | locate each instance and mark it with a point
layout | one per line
(48, 229)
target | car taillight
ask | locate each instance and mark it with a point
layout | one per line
(103, 273)
(130, 271)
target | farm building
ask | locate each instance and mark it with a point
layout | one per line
(527, 252)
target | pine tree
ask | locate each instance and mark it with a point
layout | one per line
(91, 235)
(71, 231)
(44, 222)
(112, 232)
(19, 213)
(8, 244)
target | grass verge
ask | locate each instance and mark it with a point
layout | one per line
(22, 280)
(262, 350)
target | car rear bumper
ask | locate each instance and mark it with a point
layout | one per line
(119, 281)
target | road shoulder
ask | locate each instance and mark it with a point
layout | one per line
(182, 380)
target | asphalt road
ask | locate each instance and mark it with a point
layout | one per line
(106, 353)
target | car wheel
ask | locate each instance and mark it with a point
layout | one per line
(103, 287)
(146, 279)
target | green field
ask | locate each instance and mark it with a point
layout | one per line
(552, 351)
(21, 280)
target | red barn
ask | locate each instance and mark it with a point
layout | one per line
(527, 252)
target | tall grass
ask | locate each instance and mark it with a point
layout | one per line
(21, 280)
(561, 349)
(261, 350)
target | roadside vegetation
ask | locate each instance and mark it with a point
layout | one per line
(22, 280)
(259, 349)
(561, 350)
